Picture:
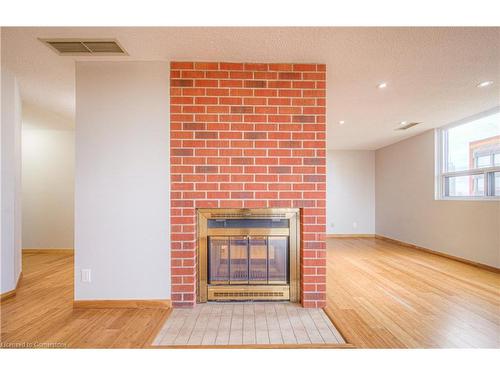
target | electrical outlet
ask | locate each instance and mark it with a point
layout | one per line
(354, 224)
(86, 275)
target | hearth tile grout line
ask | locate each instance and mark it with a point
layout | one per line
(316, 325)
(192, 328)
(302, 315)
(335, 331)
(281, 327)
(166, 331)
(293, 328)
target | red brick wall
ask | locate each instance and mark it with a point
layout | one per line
(247, 135)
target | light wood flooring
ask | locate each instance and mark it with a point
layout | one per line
(381, 295)
(264, 323)
(384, 295)
(42, 313)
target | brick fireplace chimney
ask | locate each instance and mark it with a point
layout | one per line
(246, 135)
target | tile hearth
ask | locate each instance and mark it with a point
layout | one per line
(247, 324)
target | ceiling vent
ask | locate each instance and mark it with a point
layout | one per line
(408, 125)
(85, 47)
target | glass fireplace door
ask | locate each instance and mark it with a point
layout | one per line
(257, 260)
(278, 260)
(248, 260)
(238, 260)
(218, 261)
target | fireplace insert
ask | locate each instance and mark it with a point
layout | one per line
(248, 254)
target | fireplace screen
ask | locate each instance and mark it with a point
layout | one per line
(248, 260)
(249, 254)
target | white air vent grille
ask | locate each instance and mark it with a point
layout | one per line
(82, 47)
(69, 47)
(103, 47)
(408, 126)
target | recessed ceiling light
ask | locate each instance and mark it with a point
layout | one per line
(382, 85)
(403, 123)
(341, 122)
(485, 84)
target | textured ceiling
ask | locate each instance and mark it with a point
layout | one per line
(432, 73)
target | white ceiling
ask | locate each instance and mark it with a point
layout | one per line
(432, 73)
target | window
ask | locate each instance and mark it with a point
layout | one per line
(468, 165)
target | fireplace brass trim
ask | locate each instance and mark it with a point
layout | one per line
(207, 292)
(248, 232)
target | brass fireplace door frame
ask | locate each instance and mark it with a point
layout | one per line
(272, 292)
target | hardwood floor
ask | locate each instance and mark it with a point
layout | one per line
(42, 312)
(384, 295)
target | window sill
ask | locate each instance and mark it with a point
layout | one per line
(475, 199)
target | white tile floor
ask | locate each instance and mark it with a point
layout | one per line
(247, 323)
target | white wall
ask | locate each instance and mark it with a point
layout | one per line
(350, 192)
(10, 255)
(48, 186)
(122, 180)
(406, 209)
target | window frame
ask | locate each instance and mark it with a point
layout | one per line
(441, 160)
